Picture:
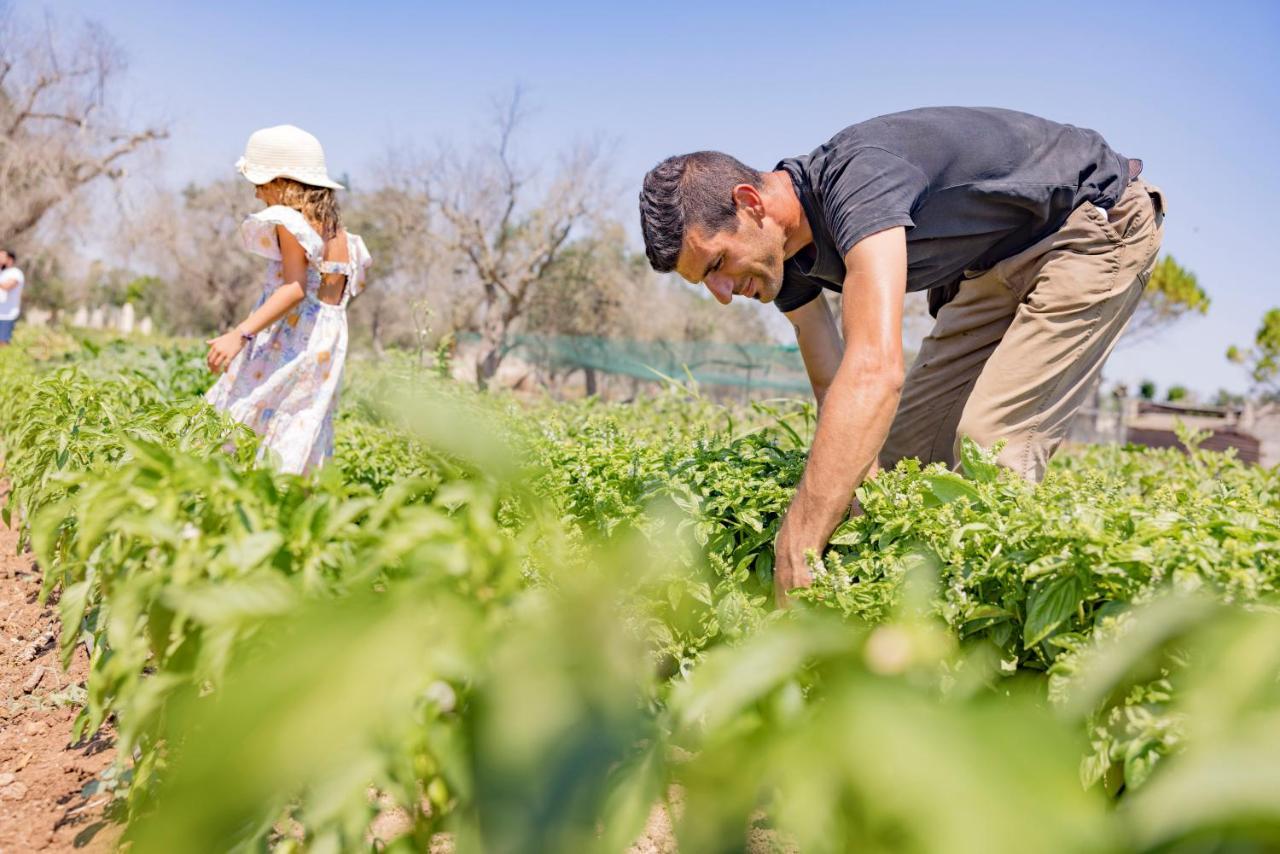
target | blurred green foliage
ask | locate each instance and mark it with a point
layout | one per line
(523, 626)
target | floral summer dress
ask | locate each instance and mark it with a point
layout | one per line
(284, 384)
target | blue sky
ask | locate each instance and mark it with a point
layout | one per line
(1191, 88)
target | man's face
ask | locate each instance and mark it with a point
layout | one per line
(746, 261)
(5, 261)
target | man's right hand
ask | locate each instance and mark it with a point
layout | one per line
(790, 568)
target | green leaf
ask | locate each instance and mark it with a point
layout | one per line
(945, 487)
(71, 608)
(983, 618)
(253, 598)
(764, 565)
(731, 679)
(633, 790)
(978, 464)
(1051, 602)
(252, 549)
(675, 592)
(847, 534)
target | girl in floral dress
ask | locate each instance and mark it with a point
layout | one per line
(283, 364)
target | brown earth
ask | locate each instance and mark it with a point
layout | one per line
(43, 776)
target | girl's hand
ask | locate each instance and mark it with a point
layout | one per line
(223, 349)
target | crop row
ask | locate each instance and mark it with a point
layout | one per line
(526, 624)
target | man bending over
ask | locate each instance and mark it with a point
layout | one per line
(1033, 239)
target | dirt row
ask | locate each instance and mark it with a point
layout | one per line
(46, 802)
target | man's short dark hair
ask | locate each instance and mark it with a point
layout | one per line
(689, 190)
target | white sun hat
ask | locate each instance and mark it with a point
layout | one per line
(285, 151)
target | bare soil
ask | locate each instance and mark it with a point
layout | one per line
(43, 801)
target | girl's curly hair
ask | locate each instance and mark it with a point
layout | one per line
(318, 204)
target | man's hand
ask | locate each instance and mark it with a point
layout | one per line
(858, 407)
(790, 555)
(223, 349)
(790, 568)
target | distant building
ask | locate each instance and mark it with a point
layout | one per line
(1154, 425)
(1252, 430)
(1263, 421)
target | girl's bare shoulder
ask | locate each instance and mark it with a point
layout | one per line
(336, 248)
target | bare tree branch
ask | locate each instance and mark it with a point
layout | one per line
(508, 120)
(505, 228)
(60, 133)
(177, 232)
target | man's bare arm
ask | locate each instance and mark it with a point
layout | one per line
(859, 405)
(820, 344)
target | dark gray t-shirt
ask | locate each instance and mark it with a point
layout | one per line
(972, 186)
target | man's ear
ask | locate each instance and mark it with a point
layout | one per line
(748, 198)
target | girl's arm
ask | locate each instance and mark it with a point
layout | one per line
(293, 265)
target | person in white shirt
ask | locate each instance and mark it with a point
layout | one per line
(11, 281)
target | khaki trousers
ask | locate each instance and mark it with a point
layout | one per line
(1017, 351)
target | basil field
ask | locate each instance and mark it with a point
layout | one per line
(510, 624)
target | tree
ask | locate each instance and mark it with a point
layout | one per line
(60, 133)
(1228, 398)
(1262, 360)
(57, 291)
(506, 228)
(149, 295)
(1147, 390)
(395, 222)
(588, 289)
(1171, 293)
(192, 240)
(1176, 393)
